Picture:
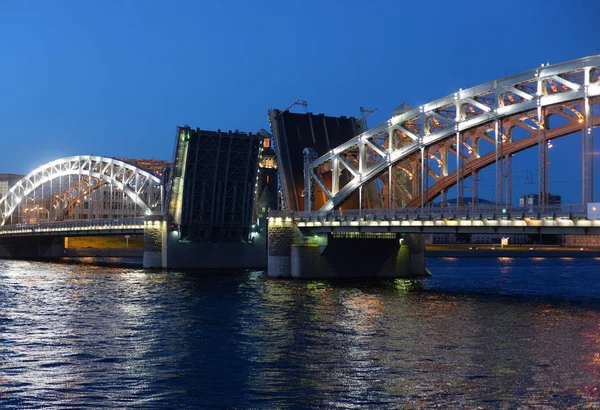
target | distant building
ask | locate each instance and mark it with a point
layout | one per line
(266, 196)
(7, 181)
(154, 166)
(476, 238)
(584, 241)
(534, 200)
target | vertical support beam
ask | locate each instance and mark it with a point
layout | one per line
(444, 158)
(459, 187)
(309, 190)
(540, 150)
(422, 194)
(335, 175)
(545, 192)
(544, 161)
(474, 190)
(362, 158)
(509, 181)
(497, 169)
(50, 207)
(389, 204)
(362, 168)
(583, 173)
(360, 189)
(588, 167)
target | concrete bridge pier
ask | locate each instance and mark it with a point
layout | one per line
(164, 250)
(343, 254)
(155, 238)
(282, 234)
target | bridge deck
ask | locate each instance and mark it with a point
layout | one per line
(440, 221)
(126, 226)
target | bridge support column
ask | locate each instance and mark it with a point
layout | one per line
(282, 234)
(410, 259)
(155, 231)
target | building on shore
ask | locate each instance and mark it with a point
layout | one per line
(532, 200)
(7, 181)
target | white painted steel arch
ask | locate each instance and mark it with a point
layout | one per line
(437, 120)
(139, 185)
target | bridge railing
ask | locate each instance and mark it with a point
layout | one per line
(428, 213)
(74, 225)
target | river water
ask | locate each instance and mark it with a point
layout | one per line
(480, 333)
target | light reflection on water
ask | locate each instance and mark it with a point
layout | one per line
(86, 336)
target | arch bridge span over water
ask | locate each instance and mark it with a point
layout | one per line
(85, 187)
(453, 138)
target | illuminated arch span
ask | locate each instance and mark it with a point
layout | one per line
(140, 186)
(415, 130)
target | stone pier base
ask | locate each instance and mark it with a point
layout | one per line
(282, 234)
(164, 250)
(154, 242)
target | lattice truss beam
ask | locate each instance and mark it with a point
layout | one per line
(59, 190)
(409, 149)
(220, 181)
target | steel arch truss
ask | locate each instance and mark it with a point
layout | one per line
(401, 144)
(142, 189)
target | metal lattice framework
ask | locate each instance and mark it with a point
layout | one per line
(404, 146)
(108, 187)
(214, 184)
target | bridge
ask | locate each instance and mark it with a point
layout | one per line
(82, 187)
(389, 183)
(194, 212)
(382, 184)
(418, 154)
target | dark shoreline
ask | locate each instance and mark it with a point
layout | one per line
(511, 253)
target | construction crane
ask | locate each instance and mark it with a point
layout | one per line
(364, 117)
(297, 102)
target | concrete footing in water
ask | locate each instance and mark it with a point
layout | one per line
(164, 250)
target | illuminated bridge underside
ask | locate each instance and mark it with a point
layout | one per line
(109, 188)
(458, 124)
(414, 220)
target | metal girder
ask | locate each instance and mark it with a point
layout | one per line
(476, 164)
(496, 99)
(142, 187)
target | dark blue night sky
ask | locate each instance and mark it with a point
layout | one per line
(116, 77)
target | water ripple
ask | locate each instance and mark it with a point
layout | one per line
(74, 336)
